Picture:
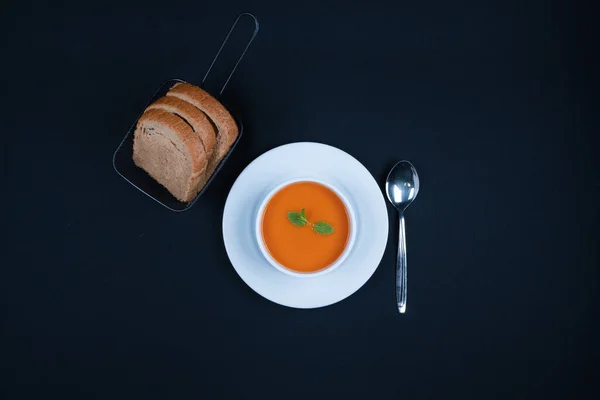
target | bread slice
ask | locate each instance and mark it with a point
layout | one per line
(196, 118)
(168, 149)
(227, 129)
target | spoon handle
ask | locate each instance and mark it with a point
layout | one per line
(401, 267)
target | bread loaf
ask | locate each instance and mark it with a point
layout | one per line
(181, 138)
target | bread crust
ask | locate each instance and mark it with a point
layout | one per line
(196, 118)
(227, 128)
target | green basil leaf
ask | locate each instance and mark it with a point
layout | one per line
(296, 218)
(323, 228)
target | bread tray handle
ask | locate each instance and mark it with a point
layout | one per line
(256, 27)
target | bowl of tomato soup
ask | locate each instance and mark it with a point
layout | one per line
(305, 227)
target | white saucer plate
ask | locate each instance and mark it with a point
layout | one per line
(320, 162)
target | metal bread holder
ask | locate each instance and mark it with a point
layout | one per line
(123, 156)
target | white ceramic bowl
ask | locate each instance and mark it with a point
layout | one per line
(331, 267)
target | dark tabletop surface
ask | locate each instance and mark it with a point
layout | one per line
(105, 294)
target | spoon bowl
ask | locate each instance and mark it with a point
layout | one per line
(402, 185)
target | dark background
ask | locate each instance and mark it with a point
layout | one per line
(105, 294)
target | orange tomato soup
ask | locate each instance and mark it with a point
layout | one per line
(300, 248)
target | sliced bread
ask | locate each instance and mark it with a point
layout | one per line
(169, 150)
(227, 129)
(196, 118)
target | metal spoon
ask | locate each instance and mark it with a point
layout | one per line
(402, 186)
